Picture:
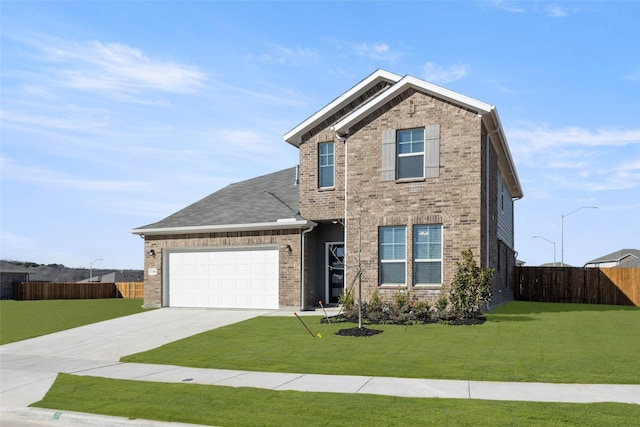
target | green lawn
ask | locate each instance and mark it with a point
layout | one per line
(562, 343)
(20, 320)
(226, 406)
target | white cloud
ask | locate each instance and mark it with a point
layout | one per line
(578, 159)
(633, 75)
(508, 5)
(51, 178)
(542, 137)
(113, 69)
(435, 73)
(555, 11)
(377, 51)
(65, 118)
(279, 54)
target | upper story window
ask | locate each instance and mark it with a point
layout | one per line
(393, 255)
(427, 254)
(326, 165)
(410, 153)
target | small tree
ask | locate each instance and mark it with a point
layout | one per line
(471, 287)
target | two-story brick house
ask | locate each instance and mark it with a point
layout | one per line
(396, 178)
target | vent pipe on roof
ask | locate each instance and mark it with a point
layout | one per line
(297, 178)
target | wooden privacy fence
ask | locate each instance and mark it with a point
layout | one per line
(129, 290)
(50, 290)
(618, 286)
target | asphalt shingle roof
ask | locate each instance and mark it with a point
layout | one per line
(616, 256)
(262, 199)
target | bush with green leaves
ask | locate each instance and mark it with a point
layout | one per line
(347, 301)
(470, 288)
(400, 310)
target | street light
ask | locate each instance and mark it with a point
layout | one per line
(554, 247)
(91, 268)
(562, 231)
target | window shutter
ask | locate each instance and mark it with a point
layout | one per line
(432, 151)
(388, 155)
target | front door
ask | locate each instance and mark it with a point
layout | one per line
(335, 271)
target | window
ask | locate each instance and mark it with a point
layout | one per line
(326, 165)
(427, 255)
(410, 153)
(393, 254)
(405, 151)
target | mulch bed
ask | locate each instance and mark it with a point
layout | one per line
(358, 332)
(477, 319)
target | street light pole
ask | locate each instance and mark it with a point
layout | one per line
(562, 230)
(91, 268)
(554, 247)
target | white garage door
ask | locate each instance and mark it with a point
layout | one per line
(231, 278)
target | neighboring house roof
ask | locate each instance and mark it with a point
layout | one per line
(629, 262)
(266, 202)
(9, 267)
(623, 256)
(380, 88)
(118, 276)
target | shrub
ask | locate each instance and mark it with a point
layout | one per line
(471, 287)
(442, 306)
(375, 308)
(348, 303)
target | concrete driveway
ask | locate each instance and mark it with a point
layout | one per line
(28, 368)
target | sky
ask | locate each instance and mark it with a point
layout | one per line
(117, 114)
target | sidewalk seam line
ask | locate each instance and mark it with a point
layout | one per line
(288, 382)
(363, 385)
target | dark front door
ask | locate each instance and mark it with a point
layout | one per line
(335, 271)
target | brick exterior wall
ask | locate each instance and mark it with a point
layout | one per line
(289, 269)
(457, 199)
(454, 199)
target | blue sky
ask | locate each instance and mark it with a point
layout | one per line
(117, 114)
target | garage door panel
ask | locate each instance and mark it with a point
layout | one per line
(232, 278)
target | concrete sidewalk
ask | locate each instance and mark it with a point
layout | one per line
(29, 367)
(403, 387)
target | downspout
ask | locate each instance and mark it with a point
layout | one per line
(344, 221)
(302, 275)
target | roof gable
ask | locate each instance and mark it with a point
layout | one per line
(360, 101)
(358, 93)
(398, 88)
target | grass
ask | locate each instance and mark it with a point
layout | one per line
(20, 320)
(226, 406)
(521, 341)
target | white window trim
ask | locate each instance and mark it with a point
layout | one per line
(412, 154)
(320, 166)
(440, 260)
(396, 261)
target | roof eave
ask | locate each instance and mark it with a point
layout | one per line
(504, 153)
(280, 224)
(294, 136)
